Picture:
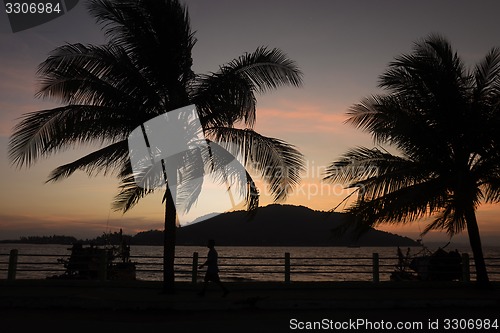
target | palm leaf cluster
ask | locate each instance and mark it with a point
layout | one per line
(443, 120)
(143, 71)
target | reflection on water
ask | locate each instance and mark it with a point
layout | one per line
(236, 263)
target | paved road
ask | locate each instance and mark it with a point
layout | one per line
(238, 321)
(42, 306)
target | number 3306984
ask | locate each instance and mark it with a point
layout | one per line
(32, 8)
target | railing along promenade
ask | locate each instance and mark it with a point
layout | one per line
(276, 268)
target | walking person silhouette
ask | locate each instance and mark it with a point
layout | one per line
(212, 273)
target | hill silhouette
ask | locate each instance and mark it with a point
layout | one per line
(273, 225)
(279, 225)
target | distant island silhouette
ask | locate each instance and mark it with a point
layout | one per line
(284, 225)
(273, 225)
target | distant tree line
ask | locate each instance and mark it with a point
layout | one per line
(152, 237)
(54, 239)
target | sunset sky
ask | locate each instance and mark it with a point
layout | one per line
(340, 46)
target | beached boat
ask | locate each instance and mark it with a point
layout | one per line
(439, 265)
(94, 262)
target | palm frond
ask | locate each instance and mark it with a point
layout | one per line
(354, 166)
(487, 78)
(433, 80)
(252, 197)
(364, 163)
(392, 189)
(218, 165)
(449, 220)
(432, 66)
(266, 69)
(223, 99)
(278, 163)
(156, 34)
(491, 187)
(104, 160)
(42, 133)
(388, 118)
(191, 168)
(95, 75)
(136, 186)
(397, 121)
(227, 96)
(403, 205)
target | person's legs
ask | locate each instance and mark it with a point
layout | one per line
(220, 284)
(214, 278)
(205, 284)
(223, 288)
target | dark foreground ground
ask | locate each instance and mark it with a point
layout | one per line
(69, 306)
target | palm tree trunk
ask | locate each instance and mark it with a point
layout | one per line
(169, 244)
(477, 250)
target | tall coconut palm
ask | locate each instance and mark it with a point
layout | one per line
(443, 120)
(143, 71)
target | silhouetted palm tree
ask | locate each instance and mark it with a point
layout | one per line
(444, 120)
(144, 70)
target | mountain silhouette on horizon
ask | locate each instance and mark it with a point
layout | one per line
(282, 225)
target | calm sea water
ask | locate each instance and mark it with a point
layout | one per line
(239, 263)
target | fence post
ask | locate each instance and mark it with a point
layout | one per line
(11, 274)
(194, 276)
(376, 268)
(287, 267)
(465, 267)
(103, 266)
